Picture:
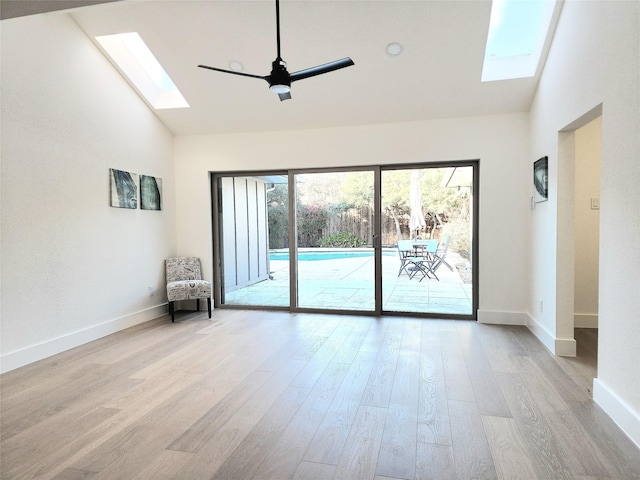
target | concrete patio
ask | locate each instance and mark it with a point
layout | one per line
(348, 284)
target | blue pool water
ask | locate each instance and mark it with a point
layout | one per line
(312, 256)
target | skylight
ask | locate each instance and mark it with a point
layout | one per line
(134, 59)
(518, 31)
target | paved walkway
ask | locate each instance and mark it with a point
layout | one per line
(348, 283)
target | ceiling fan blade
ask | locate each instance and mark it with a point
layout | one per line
(284, 96)
(233, 72)
(320, 69)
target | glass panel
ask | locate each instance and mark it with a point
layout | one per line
(427, 224)
(426, 238)
(254, 240)
(335, 258)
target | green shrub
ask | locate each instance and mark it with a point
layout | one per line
(342, 240)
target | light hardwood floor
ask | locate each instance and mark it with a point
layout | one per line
(269, 395)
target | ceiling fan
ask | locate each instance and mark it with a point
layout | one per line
(280, 79)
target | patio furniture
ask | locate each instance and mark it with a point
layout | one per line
(424, 260)
(184, 282)
(405, 251)
(441, 253)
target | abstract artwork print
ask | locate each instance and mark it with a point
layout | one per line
(124, 188)
(541, 179)
(150, 193)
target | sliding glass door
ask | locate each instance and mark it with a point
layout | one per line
(429, 219)
(335, 231)
(251, 232)
(328, 240)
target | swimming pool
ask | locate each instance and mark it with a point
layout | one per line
(325, 255)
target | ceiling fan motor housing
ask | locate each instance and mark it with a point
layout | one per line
(279, 74)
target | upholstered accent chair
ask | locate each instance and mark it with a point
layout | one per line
(184, 282)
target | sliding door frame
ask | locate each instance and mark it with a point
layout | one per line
(218, 273)
(475, 228)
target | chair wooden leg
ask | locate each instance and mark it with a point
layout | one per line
(209, 305)
(172, 312)
(197, 304)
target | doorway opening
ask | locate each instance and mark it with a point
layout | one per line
(579, 243)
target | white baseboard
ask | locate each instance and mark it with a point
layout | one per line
(619, 411)
(19, 358)
(563, 347)
(585, 320)
(502, 318)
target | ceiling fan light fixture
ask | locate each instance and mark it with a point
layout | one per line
(280, 88)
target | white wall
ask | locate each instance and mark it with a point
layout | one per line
(587, 223)
(500, 142)
(594, 60)
(74, 268)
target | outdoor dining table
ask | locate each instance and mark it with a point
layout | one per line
(425, 250)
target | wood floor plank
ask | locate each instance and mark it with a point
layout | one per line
(355, 340)
(201, 432)
(508, 450)
(376, 335)
(360, 458)
(245, 459)
(164, 465)
(583, 454)
(229, 433)
(49, 436)
(289, 450)
(93, 438)
(471, 452)
(298, 346)
(124, 454)
(21, 413)
(583, 367)
(378, 391)
(330, 437)
(435, 462)
(397, 457)
(521, 334)
(74, 474)
(314, 368)
(619, 450)
(457, 381)
(433, 411)
(486, 391)
(314, 471)
(548, 455)
(562, 383)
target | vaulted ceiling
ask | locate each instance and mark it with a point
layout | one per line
(437, 74)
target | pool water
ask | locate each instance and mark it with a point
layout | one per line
(312, 256)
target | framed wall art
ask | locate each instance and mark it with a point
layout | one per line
(540, 179)
(150, 193)
(124, 188)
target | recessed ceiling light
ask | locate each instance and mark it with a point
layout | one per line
(394, 49)
(236, 66)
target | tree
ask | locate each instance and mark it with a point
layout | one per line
(278, 216)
